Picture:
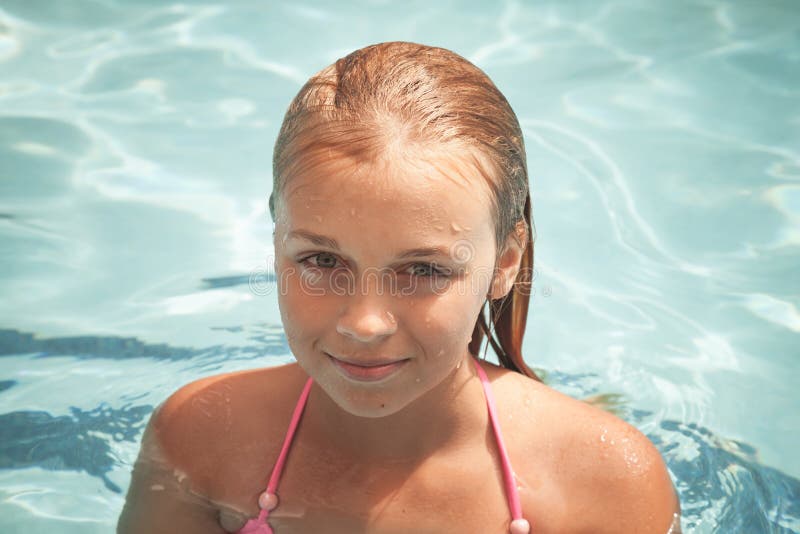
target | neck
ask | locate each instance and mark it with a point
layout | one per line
(452, 415)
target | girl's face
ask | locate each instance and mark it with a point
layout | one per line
(382, 263)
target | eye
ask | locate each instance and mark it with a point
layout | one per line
(427, 269)
(323, 260)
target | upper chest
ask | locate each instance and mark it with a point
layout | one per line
(461, 490)
(319, 493)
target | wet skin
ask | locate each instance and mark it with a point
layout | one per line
(414, 451)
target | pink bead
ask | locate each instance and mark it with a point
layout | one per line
(267, 500)
(519, 526)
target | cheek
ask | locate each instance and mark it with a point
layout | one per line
(446, 322)
(302, 312)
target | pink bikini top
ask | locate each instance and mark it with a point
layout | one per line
(269, 500)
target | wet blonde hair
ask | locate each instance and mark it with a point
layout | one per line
(419, 97)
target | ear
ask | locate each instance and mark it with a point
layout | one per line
(271, 203)
(508, 263)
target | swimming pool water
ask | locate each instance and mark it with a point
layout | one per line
(664, 151)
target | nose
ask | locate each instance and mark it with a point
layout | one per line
(366, 318)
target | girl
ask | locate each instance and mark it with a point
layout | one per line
(401, 211)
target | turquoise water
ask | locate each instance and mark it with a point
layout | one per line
(664, 149)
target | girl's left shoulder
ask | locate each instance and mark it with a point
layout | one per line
(610, 476)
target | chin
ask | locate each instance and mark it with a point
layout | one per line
(367, 413)
(369, 404)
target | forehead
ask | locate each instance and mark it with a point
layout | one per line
(415, 194)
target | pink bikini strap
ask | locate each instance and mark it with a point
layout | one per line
(275, 477)
(508, 472)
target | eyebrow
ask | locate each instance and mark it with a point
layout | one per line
(320, 240)
(329, 242)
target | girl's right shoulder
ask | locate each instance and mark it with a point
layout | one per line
(216, 399)
(214, 421)
(200, 452)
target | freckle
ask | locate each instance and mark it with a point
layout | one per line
(383, 405)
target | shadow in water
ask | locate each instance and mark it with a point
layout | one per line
(237, 280)
(78, 442)
(723, 479)
(268, 341)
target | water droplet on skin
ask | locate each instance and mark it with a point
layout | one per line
(318, 218)
(417, 380)
(458, 366)
(352, 211)
(455, 227)
(390, 317)
(179, 475)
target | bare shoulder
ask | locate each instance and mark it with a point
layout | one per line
(192, 471)
(221, 417)
(619, 474)
(606, 475)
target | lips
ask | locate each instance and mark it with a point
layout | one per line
(367, 371)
